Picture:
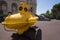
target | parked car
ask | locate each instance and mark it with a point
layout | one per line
(43, 18)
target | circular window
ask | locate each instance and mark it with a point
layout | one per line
(20, 8)
(25, 9)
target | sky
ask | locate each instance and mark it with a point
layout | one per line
(44, 5)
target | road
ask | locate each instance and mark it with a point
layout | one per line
(50, 30)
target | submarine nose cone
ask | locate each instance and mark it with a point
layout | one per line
(10, 19)
(3, 23)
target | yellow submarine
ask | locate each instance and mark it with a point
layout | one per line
(21, 21)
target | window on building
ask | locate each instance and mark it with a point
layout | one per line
(27, 1)
(3, 7)
(31, 9)
(31, 0)
(14, 7)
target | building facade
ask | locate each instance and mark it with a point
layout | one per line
(12, 6)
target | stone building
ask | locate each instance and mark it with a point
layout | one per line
(12, 6)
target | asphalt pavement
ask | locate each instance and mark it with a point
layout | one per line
(50, 30)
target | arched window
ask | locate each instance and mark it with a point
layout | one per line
(14, 7)
(4, 7)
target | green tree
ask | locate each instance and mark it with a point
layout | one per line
(56, 11)
(47, 14)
